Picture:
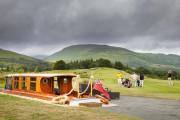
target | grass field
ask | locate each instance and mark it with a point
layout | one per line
(13, 108)
(152, 87)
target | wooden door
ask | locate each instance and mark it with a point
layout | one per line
(65, 84)
(46, 85)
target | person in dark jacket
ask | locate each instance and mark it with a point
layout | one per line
(141, 79)
(170, 82)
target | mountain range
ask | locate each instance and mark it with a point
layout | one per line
(127, 57)
(9, 58)
(92, 51)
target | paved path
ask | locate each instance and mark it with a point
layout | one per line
(148, 108)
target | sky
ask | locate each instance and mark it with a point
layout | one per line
(42, 27)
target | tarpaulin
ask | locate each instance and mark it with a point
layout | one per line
(98, 86)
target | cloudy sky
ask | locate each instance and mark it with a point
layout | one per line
(45, 26)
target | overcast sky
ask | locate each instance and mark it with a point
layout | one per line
(45, 26)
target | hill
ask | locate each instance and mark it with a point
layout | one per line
(133, 59)
(9, 58)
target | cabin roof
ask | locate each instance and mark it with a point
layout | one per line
(41, 75)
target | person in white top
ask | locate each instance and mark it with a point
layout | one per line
(135, 77)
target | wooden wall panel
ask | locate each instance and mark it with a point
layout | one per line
(38, 83)
(28, 83)
(20, 83)
(12, 83)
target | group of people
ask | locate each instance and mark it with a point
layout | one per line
(136, 80)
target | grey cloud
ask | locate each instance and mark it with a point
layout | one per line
(56, 23)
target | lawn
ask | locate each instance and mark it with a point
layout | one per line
(13, 108)
(152, 87)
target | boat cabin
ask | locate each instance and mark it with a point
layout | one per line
(40, 83)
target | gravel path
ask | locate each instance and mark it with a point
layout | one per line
(147, 108)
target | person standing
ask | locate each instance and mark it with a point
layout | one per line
(141, 79)
(170, 82)
(135, 78)
(120, 78)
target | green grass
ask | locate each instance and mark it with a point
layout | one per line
(13, 108)
(152, 87)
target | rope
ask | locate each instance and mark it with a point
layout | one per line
(85, 89)
(78, 88)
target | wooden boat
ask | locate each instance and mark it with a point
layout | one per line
(40, 84)
(56, 88)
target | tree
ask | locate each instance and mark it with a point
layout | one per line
(142, 70)
(85, 64)
(60, 65)
(20, 69)
(7, 69)
(103, 63)
(37, 69)
(118, 65)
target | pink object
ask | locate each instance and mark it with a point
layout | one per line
(98, 86)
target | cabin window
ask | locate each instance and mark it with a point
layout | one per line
(16, 82)
(56, 83)
(56, 86)
(65, 80)
(8, 83)
(56, 78)
(33, 83)
(24, 83)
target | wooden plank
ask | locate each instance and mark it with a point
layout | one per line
(28, 83)
(91, 104)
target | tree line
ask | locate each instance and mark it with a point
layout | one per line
(86, 64)
(90, 63)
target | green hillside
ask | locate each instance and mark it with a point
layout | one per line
(9, 58)
(133, 59)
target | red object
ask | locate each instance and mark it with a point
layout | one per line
(98, 86)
